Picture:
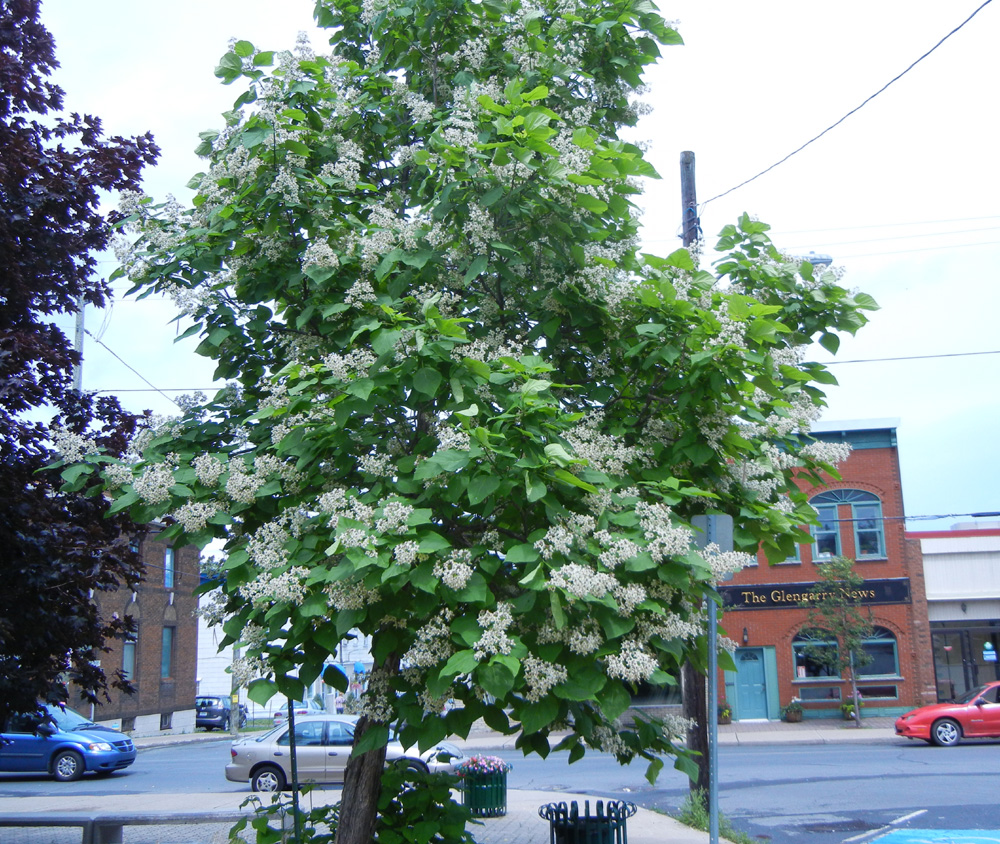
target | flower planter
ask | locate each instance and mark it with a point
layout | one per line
(793, 716)
(485, 794)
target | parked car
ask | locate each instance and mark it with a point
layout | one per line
(302, 707)
(322, 747)
(976, 714)
(215, 712)
(64, 745)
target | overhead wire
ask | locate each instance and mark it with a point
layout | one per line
(852, 111)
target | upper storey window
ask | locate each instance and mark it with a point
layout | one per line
(847, 513)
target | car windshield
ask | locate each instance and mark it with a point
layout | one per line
(968, 697)
(67, 720)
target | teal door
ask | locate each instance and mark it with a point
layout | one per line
(751, 686)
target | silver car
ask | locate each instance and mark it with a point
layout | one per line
(322, 747)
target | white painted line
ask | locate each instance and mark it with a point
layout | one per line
(908, 817)
(865, 834)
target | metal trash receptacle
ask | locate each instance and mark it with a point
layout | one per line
(606, 826)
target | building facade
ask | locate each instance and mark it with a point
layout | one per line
(160, 659)
(861, 517)
(962, 569)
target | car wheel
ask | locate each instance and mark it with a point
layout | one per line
(269, 779)
(67, 766)
(225, 724)
(418, 765)
(946, 733)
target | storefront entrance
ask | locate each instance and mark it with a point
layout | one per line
(751, 684)
(965, 656)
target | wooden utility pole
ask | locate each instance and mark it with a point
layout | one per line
(693, 688)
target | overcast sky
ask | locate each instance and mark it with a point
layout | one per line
(903, 194)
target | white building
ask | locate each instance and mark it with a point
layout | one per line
(962, 573)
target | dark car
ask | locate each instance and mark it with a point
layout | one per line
(976, 714)
(64, 744)
(215, 712)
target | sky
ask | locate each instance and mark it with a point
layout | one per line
(904, 194)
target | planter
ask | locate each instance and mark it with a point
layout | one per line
(793, 716)
(485, 794)
(725, 719)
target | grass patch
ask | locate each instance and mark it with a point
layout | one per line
(694, 813)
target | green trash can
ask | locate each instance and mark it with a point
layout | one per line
(605, 826)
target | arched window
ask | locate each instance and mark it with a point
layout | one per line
(815, 655)
(863, 518)
(881, 647)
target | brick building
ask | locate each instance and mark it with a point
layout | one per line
(161, 659)
(862, 518)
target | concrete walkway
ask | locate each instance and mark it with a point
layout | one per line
(521, 824)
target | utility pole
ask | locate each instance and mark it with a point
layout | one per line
(78, 346)
(693, 687)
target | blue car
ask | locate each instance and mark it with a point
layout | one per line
(66, 747)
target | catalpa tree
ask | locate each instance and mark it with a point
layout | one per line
(468, 418)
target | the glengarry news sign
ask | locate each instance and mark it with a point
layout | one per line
(770, 596)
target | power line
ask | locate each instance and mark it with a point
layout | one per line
(852, 111)
(891, 225)
(914, 357)
(152, 386)
(828, 243)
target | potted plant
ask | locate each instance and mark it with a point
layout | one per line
(725, 714)
(847, 707)
(793, 711)
(484, 785)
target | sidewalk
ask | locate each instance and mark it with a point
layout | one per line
(521, 824)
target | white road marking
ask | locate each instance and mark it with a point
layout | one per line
(891, 824)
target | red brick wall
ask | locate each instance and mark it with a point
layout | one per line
(874, 470)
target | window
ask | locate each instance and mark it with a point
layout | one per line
(167, 653)
(168, 568)
(814, 652)
(128, 659)
(792, 559)
(881, 647)
(307, 734)
(827, 534)
(863, 517)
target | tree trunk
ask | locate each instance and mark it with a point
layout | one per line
(695, 694)
(359, 799)
(363, 777)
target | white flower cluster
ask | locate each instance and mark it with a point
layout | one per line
(71, 447)
(633, 663)
(604, 452)
(421, 110)
(541, 677)
(608, 740)
(153, 485)
(833, 453)
(268, 589)
(724, 563)
(451, 437)
(394, 518)
(266, 546)
(194, 516)
(664, 538)
(456, 569)
(379, 465)
(406, 553)
(242, 486)
(351, 365)
(346, 595)
(378, 699)
(248, 668)
(617, 551)
(433, 645)
(628, 596)
(494, 639)
(584, 638)
(319, 253)
(582, 581)
(359, 294)
(558, 539)
(117, 475)
(208, 469)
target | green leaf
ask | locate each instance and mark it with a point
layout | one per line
(374, 737)
(476, 268)
(427, 381)
(495, 678)
(243, 49)
(261, 690)
(482, 487)
(523, 553)
(540, 714)
(461, 662)
(534, 488)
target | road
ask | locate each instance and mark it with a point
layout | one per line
(786, 794)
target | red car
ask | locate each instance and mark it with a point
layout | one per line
(976, 714)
